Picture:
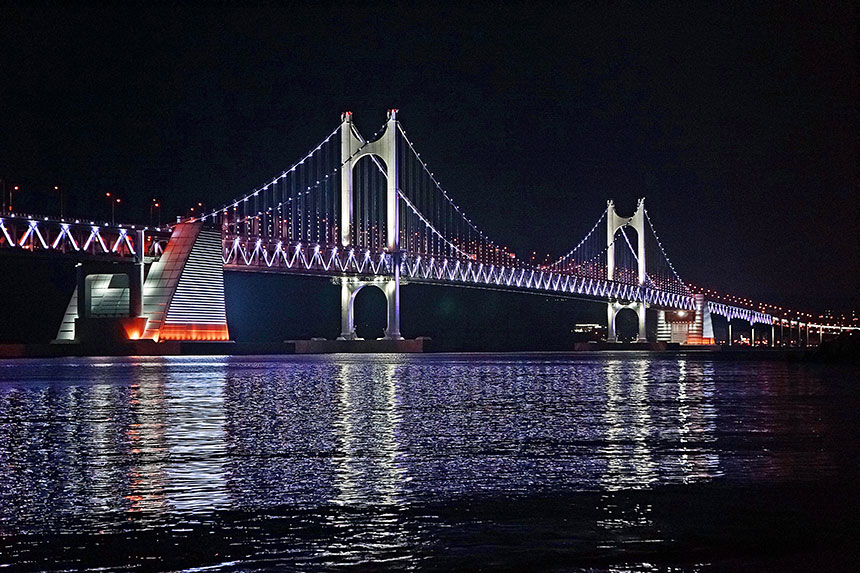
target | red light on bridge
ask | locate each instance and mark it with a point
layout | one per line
(194, 332)
(134, 327)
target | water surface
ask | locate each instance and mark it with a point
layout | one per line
(624, 461)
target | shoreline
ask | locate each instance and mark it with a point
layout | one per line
(302, 348)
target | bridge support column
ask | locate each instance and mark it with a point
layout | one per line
(353, 148)
(729, 341)
(664, 331)
(349, 288)
(612, 310)
(610, 322)
(772, 334)
(348, 291)
(392, 295)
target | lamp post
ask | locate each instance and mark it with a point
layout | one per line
(197, 210)
(113, 203)
(154, 206)
(57, 188)
(11, 191)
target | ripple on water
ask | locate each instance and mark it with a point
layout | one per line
(338, 460)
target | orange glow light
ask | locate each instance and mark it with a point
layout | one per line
(194, 332)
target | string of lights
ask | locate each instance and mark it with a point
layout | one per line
(281, 176)
(584, 239)
(435, 181)
(662, 250)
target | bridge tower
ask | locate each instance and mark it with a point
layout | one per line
(352, 148)
(614, 222)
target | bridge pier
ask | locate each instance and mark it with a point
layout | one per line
(664, 330)
(612, 310)
(354, 148)
(392, 296)
(349, 288)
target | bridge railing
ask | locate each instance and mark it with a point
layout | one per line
(257, 254)
(27, 233)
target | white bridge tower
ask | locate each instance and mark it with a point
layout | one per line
(352, 148)
(614, 222)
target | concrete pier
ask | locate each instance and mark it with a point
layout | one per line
(413, 345)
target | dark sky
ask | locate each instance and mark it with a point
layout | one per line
(738, 124)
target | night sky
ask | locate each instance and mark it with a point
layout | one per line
(738, 124)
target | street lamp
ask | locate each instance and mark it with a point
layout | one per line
(57, 188)
(113, 204)
(11, 191)
(152, 207)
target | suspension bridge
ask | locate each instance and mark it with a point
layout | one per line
(367, 212)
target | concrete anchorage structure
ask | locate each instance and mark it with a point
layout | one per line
(684, 327)
(352, 148)
(614, 222)
(182, 298)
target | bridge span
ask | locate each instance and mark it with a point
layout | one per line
(367, 212)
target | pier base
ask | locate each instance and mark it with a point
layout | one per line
(361, 346)
(607, 345)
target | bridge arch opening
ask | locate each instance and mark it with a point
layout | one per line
(738, 332)
(626, 325)
(370, 312)
(369, 204)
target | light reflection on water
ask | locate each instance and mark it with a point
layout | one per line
(365, 449)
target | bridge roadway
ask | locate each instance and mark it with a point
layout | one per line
(93, 241)
(367, 212)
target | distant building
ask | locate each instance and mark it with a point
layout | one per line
(587, 332)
